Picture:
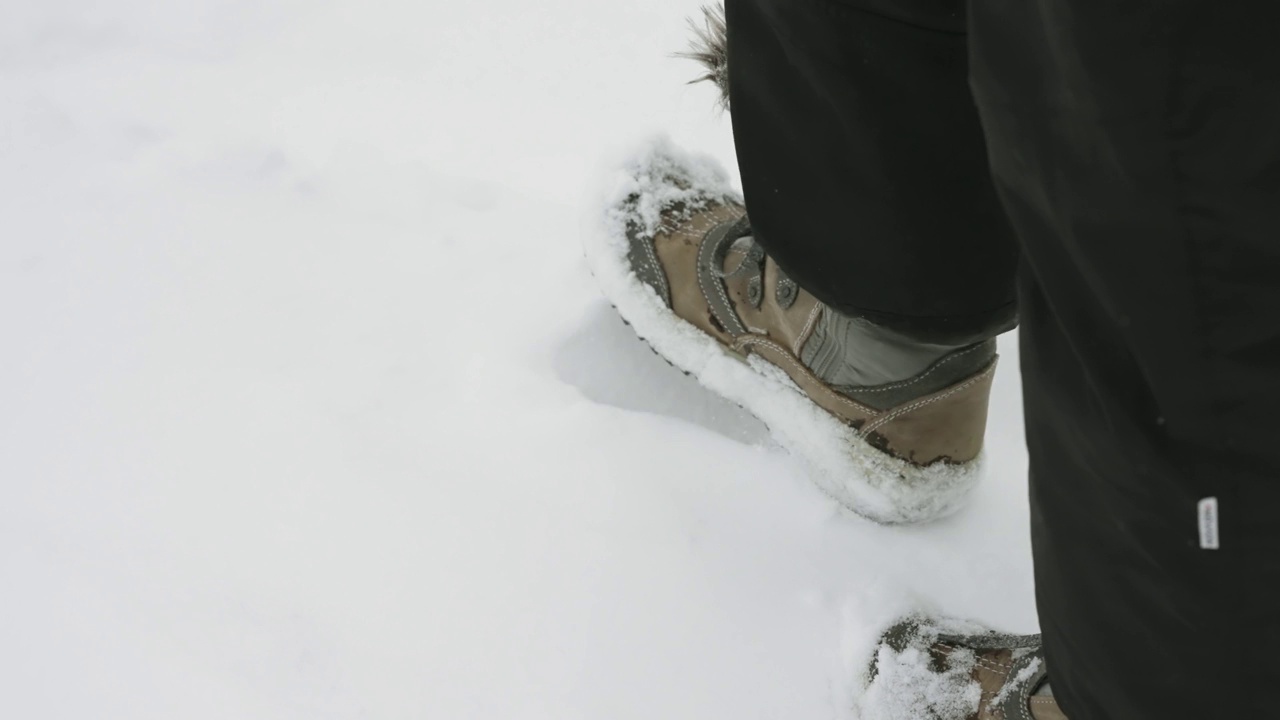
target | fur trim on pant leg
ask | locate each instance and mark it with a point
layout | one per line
(709, 47)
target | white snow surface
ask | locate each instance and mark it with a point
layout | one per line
(310, 409)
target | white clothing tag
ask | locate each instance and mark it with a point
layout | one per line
(1209, 523)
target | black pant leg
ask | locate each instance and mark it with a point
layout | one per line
(863, 162)
(1136, 145)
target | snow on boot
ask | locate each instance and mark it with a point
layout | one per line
(673, 252)
(948, 670)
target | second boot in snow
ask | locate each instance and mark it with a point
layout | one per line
(927, 669)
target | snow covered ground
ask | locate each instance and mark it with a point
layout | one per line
(310, 409)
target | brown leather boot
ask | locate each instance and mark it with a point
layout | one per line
(674, 254)
(947, 670)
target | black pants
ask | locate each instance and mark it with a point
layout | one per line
(1108, 171)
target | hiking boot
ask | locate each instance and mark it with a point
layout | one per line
(936, 670)
(675, 256)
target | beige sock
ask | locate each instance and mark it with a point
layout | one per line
(854, 352)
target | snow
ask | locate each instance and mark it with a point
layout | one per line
(312, 410)
(908, 688)
(916, 682)
(659, 175)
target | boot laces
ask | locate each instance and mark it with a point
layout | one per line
(752, 266)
